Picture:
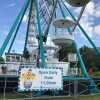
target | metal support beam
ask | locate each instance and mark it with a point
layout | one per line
(82, 65)
(27, 33)
(42, 50)
(50, 20)
(79, 17)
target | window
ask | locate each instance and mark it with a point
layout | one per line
(13, 58)
(7, 58)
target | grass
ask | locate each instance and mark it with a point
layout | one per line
(15, 96)
(97, 74)
(92, 97)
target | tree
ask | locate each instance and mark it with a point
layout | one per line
(90, 58)
(64, 51)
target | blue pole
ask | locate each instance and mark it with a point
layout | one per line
(83, 68)
(42, 50)
(4, 45)
(50, 20)
(30, 14)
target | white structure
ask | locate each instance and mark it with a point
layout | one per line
(63, 39)
(13, 57)
(72, 57)
(63, 23)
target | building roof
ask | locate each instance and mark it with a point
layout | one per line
(17, 54)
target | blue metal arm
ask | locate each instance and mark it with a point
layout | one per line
(30, 14)
(50, 20)
(83, 68)
(42, 50)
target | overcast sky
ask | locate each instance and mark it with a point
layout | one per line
(90, 21)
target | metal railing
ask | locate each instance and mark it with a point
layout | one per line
(9, 85)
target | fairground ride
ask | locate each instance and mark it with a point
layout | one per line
(43, 13)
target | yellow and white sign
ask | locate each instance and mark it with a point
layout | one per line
(40, 79)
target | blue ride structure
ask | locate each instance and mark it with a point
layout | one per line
(41, 14)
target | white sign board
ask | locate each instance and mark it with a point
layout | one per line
(40, 79)
(63, 65)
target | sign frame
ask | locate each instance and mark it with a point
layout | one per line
(41, 89)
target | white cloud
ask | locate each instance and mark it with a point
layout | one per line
(87, 26)
(90, 8)
(97, 30)
(97, 11)
(25, 18)
(11, 5)
(87, 20)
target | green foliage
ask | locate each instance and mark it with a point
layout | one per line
(97, 74)
(63, 52)
(90, 58)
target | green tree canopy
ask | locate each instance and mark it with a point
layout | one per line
(64, 51)
(90, 58)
